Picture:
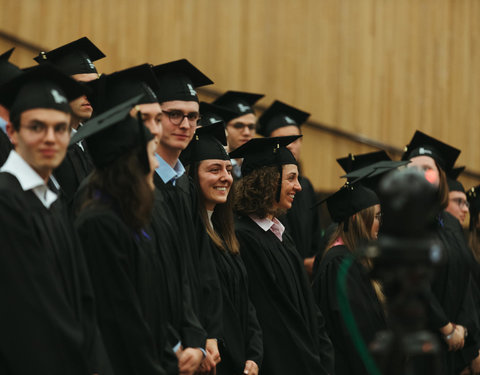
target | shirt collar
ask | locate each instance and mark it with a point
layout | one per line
(167, 173)
(273, 225)
(28, 178)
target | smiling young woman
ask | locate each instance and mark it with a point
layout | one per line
(211, 169)
(294, 336)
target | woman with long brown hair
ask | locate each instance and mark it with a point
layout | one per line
(211, 169)
(294, 337)
(356, 210)
(122, 262)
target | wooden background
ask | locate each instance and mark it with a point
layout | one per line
(375, 68)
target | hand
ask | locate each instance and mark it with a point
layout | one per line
(189, 361)
(308, 264)
(207, 366)
(212, 348)
(457, 339)
(251, 368)
(475, 366)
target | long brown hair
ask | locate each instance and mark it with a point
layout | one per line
(443, 190)
(255, 193)
(223, 232)
(358, 233)
(123, 186)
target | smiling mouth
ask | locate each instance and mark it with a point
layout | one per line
(291, 196)
(221, 188)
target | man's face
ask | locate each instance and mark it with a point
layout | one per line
(81, 107)
(458, 205)
(151, 116)
(240, 130)
(295, 146)
(42, 139)
(177, 137)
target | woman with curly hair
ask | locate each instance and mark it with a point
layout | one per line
(356, 209)
(211, 170)
(294, 337)
(123, 265)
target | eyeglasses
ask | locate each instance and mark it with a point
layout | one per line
(40, 129)
(176, 117)
(461, 202)
(241, 126)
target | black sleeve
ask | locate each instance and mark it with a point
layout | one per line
(40, 333)
(254, 337)
(126, 335)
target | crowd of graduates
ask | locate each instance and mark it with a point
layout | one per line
(145, 232)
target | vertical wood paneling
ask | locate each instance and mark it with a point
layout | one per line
(379, 68)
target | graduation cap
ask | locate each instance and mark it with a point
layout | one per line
(112, 89)
(239, 102)
(178, 80)
(425, 145)
(73, 58)
(352, 162)
(211, 113)
(207, 143)
(8, 70)
(371, 175)
(42, 86)
(349, 200)
(453, 184)
(263, 152)
(279, 115)
(114, 133)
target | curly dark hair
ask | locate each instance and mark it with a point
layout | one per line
(123, 187)
(255, 193)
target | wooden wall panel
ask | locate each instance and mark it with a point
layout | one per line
(379, 68)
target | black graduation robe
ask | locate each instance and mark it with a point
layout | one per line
(76, 166)
(294, 336)
(303, 222)
(366, 308)
(124, 271)
(451, 299)
(192, 241)
(5, 147)
(242, 335)
(47, 318)
(173, 275)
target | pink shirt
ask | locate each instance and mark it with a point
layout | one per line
(274, 225)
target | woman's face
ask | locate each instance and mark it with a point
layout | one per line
(152, 160)
(290, 186)
(215, 180)
(376, 222)
(427, 165)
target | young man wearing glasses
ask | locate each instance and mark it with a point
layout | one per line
(180, 114)
(241, 128)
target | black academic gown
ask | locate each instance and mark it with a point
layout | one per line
(192, 241)
(47, 318)
(173, 275)
(76, 166)
(5, 147)
(452, 299)
(242, 335)
(303, 222)
(124, 271)
(294, 336)
(366, 308)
